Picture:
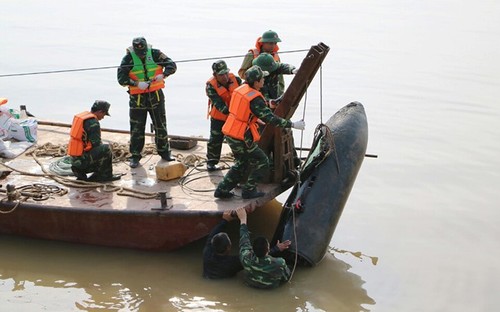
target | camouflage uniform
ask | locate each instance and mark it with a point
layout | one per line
(273, 88)
(265, 272)
(142, 104)
(214, 145)
(248, 157)
(99, 158)
(247, 63)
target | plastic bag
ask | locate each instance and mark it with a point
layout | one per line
(24, 129)
(19, 129)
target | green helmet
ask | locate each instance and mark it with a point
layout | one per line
(254, 73)
(266, 62)
(270, 36)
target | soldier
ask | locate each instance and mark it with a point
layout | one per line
(242, 134)
(271, 89)
(219, 89)
(267, 43)
(217, 262)
(143, 70)
(85, 147)
(261, 269)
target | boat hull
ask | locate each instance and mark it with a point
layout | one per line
(315, 206)
(163, 231)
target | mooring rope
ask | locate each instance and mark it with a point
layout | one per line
(120, 150)
(69, 182)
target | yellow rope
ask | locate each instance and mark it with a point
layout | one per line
(120, 151)
(106, 187)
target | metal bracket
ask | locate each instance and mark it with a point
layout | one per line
(162, 196)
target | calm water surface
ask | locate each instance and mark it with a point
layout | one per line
(427, 208)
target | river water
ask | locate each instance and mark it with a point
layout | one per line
(420, 230)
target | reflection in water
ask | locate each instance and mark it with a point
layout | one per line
(61, 277)
(357, 254)
(185, 302)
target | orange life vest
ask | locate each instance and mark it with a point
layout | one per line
(225, 95)
(258, 48)
(240, 117)
(146, 71)
(78, 142)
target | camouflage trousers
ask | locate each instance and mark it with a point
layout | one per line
(251, 160)
(99, 159)
(153, 104)
(214, 145)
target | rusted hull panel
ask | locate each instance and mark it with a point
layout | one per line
(164, 231)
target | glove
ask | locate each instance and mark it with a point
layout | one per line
(301, 125)
(143, 85)
(295, 70)
(159, 77)
(275, 102)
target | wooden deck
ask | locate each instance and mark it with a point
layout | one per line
(196, 195)
(100, 215)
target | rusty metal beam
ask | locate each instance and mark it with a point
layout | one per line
(278, 141)
(296, 90)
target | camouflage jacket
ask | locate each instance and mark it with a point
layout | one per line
(272, 88)
(247, 63)
(265, 272)
(92, 131)
(263, 112)
(215, 98)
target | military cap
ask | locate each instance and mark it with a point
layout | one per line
(100, 105)
(220, 68)
(254, 73)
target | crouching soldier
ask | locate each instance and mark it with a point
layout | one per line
(88, 154)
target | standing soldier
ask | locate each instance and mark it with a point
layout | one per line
(267, 43)
(272, 90)
(143, 70)
(85, 147)
(219, 89)
(242, 134)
